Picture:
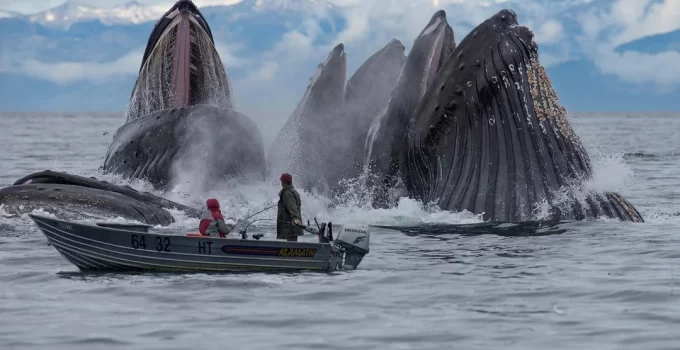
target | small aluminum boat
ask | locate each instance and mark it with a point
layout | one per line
(130, 247)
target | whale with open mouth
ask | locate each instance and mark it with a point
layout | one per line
(321, 144)
(181, 125)
(489, 136)
(384, 142)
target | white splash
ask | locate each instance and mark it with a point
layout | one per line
(373, 131)
(610, 173)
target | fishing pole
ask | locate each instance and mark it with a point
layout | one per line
(252, 222)
(267, 208)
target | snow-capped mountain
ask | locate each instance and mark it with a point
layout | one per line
(291, 5)
(72, 12)
(7, 14)
(133, 12)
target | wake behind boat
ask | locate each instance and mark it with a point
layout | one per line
(127, 247)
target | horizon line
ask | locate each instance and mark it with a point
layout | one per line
(6, 112)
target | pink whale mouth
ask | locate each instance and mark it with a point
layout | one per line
(181, 73)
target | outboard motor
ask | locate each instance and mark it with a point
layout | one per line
(353, 241)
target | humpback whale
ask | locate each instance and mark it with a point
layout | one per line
(366, 93)
(321, 143)
(73, 196)
(383, 142)
(181, 125)
(296, 148)
(490, 136)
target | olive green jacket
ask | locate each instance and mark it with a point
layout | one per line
(288, 210)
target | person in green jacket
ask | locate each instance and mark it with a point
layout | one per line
(288, 218)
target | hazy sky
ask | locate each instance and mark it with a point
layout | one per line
(565, 30)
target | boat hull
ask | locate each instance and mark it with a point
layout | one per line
(101, 248)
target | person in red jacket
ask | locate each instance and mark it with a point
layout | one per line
(212, 222)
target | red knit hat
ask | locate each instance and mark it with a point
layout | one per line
(286, 177)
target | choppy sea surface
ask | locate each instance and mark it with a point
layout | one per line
(594, 285)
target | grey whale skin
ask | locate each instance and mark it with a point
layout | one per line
(181, 119)
(383, 145)
(321, 144)
(489, 135)
(73, 196)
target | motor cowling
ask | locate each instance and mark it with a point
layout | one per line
(355, 240)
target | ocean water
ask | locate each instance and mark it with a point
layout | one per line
(595, 285)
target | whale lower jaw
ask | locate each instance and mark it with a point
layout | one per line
(203, 144)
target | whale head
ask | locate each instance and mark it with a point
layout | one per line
(383, 146)
(374, 80)
(430, 49)
(307, 125)
(181, 66)
(326, 89)
(491, 137)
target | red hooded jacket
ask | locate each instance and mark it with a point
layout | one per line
(213, 214)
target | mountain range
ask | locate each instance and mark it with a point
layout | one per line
(78, 58)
